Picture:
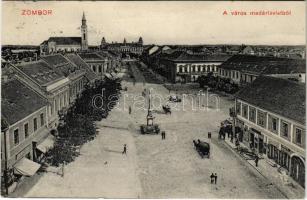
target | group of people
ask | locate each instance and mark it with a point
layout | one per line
(213, 178)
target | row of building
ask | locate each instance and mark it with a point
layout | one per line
(34, 96)
(183, 66)
(270, 107)
(270, 114)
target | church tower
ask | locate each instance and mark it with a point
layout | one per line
(140, 41)
(84, 43)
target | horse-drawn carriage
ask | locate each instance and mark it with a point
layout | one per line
(167, 109)
(174, 98)
(203, 148)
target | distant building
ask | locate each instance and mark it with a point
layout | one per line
(244, 69)
(180, 66)
(248, 50)
(271, 114)
(98, 63)
(125, 47)
(25, 136)
(66, 44)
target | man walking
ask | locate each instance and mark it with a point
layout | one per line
(212, 178)
(129, 110)
(215, 178)
(125, 149)
(256, 160)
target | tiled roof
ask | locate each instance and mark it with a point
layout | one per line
(40, 72)
(61, 63)
(80, 63)
(264, 65)
(90, 56)
(281, 96)
(56, 59)
(124, 44)
(19, 101)
(65, 40)
(104, 54)
(182, 56)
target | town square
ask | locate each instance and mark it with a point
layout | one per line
(135, 119)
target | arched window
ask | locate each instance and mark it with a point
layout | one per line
(94, 68)
(99, 69)
(180, 69)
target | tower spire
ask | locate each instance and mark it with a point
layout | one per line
(84, 43)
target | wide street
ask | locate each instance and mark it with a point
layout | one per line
(155, 168)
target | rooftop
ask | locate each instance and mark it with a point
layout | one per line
(77, 60)
(264, 65)
(182, 56)
(280, 96)
(61, 63)
(19, 101)
(90, 56)
(40, 72)
(64, 40)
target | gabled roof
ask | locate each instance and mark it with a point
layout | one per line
(61, 63)
(264, 65)
(64, 40)
(91, 56)
(55, 59)
(281, 96)
(40, 72)
(19, 101)
(77, 60)
(182, 56)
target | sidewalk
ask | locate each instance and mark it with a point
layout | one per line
(283, 182)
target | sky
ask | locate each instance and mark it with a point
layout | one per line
(158, 22)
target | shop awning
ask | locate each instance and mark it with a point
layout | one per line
(26, 167)
(46, 144)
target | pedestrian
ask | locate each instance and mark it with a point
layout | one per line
(63, 169)
(256, 160)
(129, 110)
(125, 149)
(215, 178)
(212, 178)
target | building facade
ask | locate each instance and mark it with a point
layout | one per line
(48, 82)
(244, 69)
(75, 74)
(275, 129)
(97, 62)
(66, 44)
(183, 67)
(125, 47)
(24, 130)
